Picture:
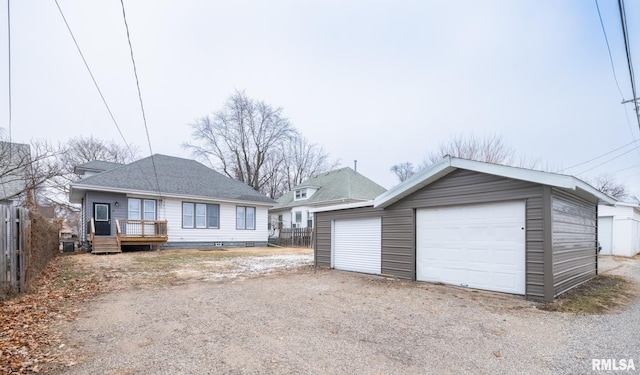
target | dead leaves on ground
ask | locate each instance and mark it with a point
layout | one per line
(27, 343)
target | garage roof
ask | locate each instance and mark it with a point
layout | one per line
(449, 164)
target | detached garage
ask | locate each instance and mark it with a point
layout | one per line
(472, 224)
(619, 229)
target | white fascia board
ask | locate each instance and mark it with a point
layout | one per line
(165, 195)
(342, 206)
(540, 177)
(628, 204)
(449, 164)
(414, 183)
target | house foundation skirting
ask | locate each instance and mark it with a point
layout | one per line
(212, 244)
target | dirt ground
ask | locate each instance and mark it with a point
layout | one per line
(267, 310)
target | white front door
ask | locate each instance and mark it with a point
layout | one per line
(357, 245)
(479, 246)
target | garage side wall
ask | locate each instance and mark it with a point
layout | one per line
(468, 187)
(574, 241)
(322, 248)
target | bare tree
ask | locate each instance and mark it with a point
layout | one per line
(490, 149)
(302, 160)
(242, 138)
(609, 186)
(403, 170)
(24, 169)
(77, 151)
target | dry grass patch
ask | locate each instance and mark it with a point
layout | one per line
(602, 295)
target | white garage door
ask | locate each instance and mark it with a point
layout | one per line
(357, 245)
(480, 246)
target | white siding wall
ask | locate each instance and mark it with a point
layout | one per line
(172, 211)
(626, 229)
(292, 216)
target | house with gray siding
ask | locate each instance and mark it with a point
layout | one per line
(169, 202)
(472, 224)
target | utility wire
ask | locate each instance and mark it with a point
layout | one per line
(4, 190)
(600, 156)
(104, 101)
(144, 117)
(613, 69)
(625, 35)
(606, 161)
(93, 78)
(9, 70)
(615, 76)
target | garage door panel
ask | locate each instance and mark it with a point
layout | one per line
(480, 246)
(357, 245)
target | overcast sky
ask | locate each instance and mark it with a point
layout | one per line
(377, 81)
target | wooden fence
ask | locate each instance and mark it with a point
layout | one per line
(296, 237)
(15, 248)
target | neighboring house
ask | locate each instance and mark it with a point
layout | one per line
(14, 160)
(330, 188)
(171, 202)
(471, 224)
(619, 229)
(95, 167)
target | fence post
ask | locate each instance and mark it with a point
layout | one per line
(13, 246)
(25, 246)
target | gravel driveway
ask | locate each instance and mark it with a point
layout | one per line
(311, 321)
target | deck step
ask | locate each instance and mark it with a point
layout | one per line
(104, 245)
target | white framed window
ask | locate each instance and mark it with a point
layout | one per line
(141, 209)
(309, 219)
(245, 217)
(149, 209)
(188, 212)
(301, 194)
(133, 209)
(200, 215)
(298, 219)
(213, 216)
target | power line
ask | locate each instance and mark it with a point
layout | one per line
(600, 156)
(144, 117)
(613, 69)
(9, 70)
(104, 101)
(605, 162)
(625, 35)
(93, 78)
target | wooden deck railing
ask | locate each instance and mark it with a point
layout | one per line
(92, 230)
(129, 230)
(296, 237)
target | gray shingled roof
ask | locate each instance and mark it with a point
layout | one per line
(176, 176)
(343, 184)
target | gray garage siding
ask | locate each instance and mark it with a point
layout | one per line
(574, 241)
(323, 230)
(467, 187)
(398, 243)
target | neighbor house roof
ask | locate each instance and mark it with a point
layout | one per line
(334, 187)
(449, 164)
(14, 158)
(176, 177)
(96, 166)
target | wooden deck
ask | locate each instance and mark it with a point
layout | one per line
(129, 232)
